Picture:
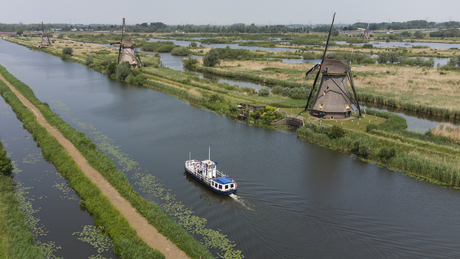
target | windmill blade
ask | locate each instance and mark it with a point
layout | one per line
(322, 61)
(121, 41)
(352, 84)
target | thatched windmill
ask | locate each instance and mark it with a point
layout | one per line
(45, 38)
(126, 51)
(367, 33)
(333, 100)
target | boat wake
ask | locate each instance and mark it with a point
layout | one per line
(240, 201)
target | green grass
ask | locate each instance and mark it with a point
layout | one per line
(16, 240)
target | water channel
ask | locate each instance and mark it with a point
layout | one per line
(295, 199)
(50, 206)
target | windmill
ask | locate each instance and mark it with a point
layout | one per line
(45, 38)
(333, 99)
(126, 51)
(367, 33)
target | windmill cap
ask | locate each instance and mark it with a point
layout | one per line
(335, 67)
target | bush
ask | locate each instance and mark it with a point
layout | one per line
(111, 68)
(386, 153)
(265, 91)
(371, 127)
(5, 163)
(190, 63)
(123, 71)
(180, 51)
(193, 45)
(89, 60)
(67, 51)
(277, 90)
(211, 58)
(368, 46)
(336, 132)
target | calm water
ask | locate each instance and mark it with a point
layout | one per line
(295, 199)
(56, 205)
(432, 45)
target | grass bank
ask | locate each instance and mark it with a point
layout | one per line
(126, 243)
(16, 240)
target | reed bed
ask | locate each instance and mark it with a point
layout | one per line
(447, 130)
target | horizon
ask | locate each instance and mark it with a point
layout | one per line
(207, 12)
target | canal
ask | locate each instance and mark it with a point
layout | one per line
(295, 199)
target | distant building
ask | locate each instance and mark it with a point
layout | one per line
(7, 34)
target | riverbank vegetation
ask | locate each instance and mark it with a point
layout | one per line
(16, 240)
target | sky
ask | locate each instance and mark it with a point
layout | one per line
(219, 12)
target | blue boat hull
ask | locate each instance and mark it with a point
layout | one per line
(214, 190)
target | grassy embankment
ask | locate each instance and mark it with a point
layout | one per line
(126, 243)
(16, 240)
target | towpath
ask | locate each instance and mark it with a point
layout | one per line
(145, 231)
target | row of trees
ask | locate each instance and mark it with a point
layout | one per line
(235, 28)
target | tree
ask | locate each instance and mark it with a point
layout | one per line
(335, 33)
(89, 60)
(193, 45)
(418, 35)
(211, 58)
(67, 51)
(123, 71)
(19, 32)
(190, 63)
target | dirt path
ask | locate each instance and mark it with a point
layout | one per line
(144, 230)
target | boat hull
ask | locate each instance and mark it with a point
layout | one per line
(205, 184)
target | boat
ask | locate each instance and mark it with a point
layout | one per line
(206, 173)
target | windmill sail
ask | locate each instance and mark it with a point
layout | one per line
(45, 38)
(333, 100)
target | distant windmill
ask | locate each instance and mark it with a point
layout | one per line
(367, 32)
(126, 51)
(333, 99)
(45, 38)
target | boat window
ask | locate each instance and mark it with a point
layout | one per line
(231, 185)
(220, 186)
(226, 186)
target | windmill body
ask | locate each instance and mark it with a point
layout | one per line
(128, 54)
(45, 38)
(333, 98)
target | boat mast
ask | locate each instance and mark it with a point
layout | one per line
(209, 158)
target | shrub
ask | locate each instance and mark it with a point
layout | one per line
(371, 127)
(211, 58)
(123, 71)
(111, 68)
(190, 63)
(386, 153)
(89, 60)
(368, 46)
(193, 45)
(180, 51)
(277, 90)
(336, 132)
(5, 163)
(265, 91)
(67, 51)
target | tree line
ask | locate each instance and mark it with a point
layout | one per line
(235, 28)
